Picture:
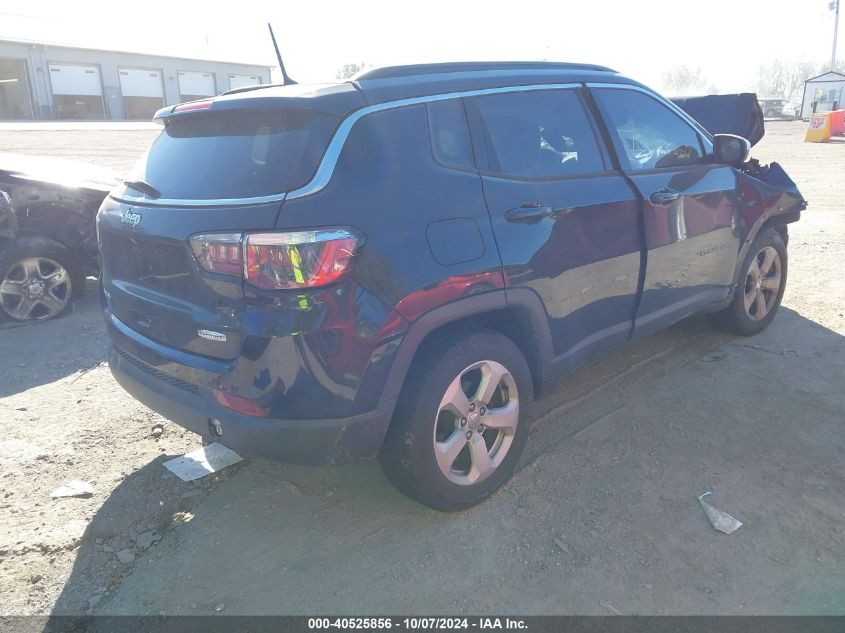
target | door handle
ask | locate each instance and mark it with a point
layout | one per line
(528, 213)
(664, 196)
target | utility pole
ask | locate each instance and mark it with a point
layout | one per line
(834, 6)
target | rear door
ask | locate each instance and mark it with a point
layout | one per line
(218, 173)
(565, 222)
(690, 205)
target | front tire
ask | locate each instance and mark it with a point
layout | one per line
(461, 422)
(39, 278)
(760, 288)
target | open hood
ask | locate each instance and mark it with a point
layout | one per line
(738, 114)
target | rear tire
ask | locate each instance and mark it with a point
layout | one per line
(39, 278)
(461, 422)
(760, 287)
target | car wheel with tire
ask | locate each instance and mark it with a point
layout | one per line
(39, 278)
(760, 288)
(461, 421)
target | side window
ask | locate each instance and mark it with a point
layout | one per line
(648, 133)
(448, 132)
(538, 134)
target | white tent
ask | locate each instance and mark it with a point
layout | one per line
(824, 90)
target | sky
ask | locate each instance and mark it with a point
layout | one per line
(727, 39)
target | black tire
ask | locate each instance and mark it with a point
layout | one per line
(12, 252)
(408, 453)
(770, 114)
(736, 318)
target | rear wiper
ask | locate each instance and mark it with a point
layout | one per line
(144, 187)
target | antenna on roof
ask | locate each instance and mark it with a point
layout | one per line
(285, 79)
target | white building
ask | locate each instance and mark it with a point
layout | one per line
(47, 81)
(824, 91)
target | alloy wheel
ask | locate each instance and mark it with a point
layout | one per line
(476, 422)
(35, 288)
(762, 283)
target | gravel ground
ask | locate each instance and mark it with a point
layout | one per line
(601, 517)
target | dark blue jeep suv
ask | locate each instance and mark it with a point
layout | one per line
(395, 265)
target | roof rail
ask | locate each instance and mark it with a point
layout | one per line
(390, 72)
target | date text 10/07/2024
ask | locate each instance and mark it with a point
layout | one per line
(417, 624)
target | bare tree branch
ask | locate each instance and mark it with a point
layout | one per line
(681, 80)
(350, 70)
(785, 79)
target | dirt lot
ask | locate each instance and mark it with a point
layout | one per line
(601, 518)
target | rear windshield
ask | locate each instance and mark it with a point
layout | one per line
(235, 153)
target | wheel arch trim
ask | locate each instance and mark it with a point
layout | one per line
(776, 221)
(522, 300)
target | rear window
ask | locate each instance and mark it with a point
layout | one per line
(235, 153)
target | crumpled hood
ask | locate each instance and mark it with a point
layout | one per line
(738, 114)
(8, 221)
(66, 173)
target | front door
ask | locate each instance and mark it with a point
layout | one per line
(565, 223)
(689, 206)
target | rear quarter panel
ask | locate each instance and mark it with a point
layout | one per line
(387, 185)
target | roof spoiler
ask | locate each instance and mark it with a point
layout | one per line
(162, 114)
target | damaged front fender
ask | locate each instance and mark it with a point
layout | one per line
(53, 199)
(768, 197)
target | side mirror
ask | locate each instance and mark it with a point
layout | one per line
(730, 149)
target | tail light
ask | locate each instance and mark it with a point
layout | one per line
(279, 261)
(193, 105)
(219, 252)
(307, 259)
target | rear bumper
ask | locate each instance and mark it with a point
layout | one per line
(308, 442)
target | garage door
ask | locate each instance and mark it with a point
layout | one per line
(142, 90)
(241, 81)
(77, 91)
(15, 102)
(195, 85)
